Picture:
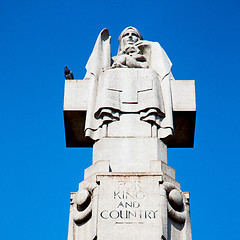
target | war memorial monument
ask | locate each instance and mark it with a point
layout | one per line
(130, 109)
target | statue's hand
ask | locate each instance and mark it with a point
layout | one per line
(142, 43)
(120, 61)
(139, 57)
(118, 65)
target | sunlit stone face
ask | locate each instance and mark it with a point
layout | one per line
(130, 37)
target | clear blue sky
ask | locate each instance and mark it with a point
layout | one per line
(38, 38)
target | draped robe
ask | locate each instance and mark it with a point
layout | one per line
(103, 103)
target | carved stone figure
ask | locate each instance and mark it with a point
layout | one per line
(125, 101)
(132, 87)
(129, 54)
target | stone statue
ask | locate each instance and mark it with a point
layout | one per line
(136, 81)
(129, 54)
(125, 101)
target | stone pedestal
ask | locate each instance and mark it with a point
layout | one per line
(129, 192)
(121, 206)
(130, 154)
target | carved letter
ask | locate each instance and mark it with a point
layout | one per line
(101, 214)
(116, 195)
(120, 205)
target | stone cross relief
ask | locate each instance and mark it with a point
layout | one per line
(130, 86)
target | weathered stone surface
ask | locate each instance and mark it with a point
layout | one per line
(75, 107)
(130, 154)
(101, 166)
(162, 167)
(129, 206)
(76, 95)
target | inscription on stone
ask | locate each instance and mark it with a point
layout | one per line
(129, 206)
(129, 199)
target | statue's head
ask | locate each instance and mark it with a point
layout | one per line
(129, 36)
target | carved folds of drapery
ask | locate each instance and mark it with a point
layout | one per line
(104, 104)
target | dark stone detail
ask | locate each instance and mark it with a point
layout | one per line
(74, 129)
(184, 127)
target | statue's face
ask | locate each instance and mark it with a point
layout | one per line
(130, 37)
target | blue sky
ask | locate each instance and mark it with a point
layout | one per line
(38, 38)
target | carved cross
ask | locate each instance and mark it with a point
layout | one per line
(184, 111)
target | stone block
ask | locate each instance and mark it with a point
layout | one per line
(159, 166)
(184, 113)
(129, 208)
(100, 166)
(130, 154)
(120, 206)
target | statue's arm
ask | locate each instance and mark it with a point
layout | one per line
(101, 55)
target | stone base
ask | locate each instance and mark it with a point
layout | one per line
(130, 154)
(103, 166)
(129, 206)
